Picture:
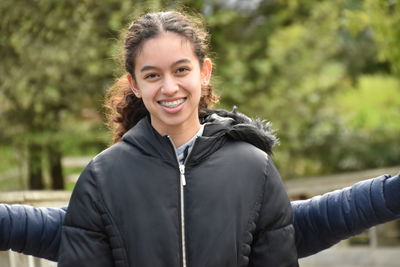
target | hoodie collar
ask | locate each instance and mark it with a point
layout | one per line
(220, 125)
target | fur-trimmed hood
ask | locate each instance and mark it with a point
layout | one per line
(240, 127)
(221, 125)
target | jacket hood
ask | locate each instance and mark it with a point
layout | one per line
(239, 127)
(220, 125)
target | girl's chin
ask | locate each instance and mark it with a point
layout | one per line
(177, 121)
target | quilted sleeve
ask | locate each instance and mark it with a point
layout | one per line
(323, 221)
(32, 231)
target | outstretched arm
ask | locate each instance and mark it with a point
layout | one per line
(32, 231)
(320, 222)
(323, 221)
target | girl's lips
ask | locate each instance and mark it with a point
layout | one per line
(172, 106)
(173, 103)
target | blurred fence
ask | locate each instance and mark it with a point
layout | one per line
(354, 257)
(311, 186)
(13, 259)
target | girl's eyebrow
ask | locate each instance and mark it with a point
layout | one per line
(184, 60)
(180, 61)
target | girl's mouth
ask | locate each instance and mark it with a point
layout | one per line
(172, 104)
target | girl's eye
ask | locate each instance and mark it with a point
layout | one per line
(182, 70)
(150, 76)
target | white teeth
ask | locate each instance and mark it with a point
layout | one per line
(172, 104)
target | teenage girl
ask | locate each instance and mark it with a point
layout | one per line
(185, 185)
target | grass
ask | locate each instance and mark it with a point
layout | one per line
(8, 158)
(9, 162)
(72, 170)
(70, 186)
(10, 184)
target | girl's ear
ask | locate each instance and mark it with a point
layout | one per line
(206, 70)
(133, 86)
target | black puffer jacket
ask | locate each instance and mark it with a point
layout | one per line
(129, 207)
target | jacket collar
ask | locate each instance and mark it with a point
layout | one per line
(220, 125)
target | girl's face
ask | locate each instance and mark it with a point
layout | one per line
(169, 78)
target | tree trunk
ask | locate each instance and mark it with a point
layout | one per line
(55, 165)
(35, 170)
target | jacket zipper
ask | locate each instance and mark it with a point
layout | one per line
(182, 180)
(182, 192)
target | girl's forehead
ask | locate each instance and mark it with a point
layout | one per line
(166, 48)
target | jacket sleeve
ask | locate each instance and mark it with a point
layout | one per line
(274, 240)
(32, 231)
(84, 241)
(323, 221)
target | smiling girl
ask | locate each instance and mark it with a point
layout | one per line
(184, 185)
(168, 78)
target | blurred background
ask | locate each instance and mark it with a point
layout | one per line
(325, 73)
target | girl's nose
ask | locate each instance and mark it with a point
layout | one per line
(169, 86)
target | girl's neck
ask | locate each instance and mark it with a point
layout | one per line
(180, 134)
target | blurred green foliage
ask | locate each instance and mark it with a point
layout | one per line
(7, 158)
(371, 104)
(324, 72)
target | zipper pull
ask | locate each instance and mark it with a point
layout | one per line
(182, 170)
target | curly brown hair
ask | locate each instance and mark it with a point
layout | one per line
(124, 108)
